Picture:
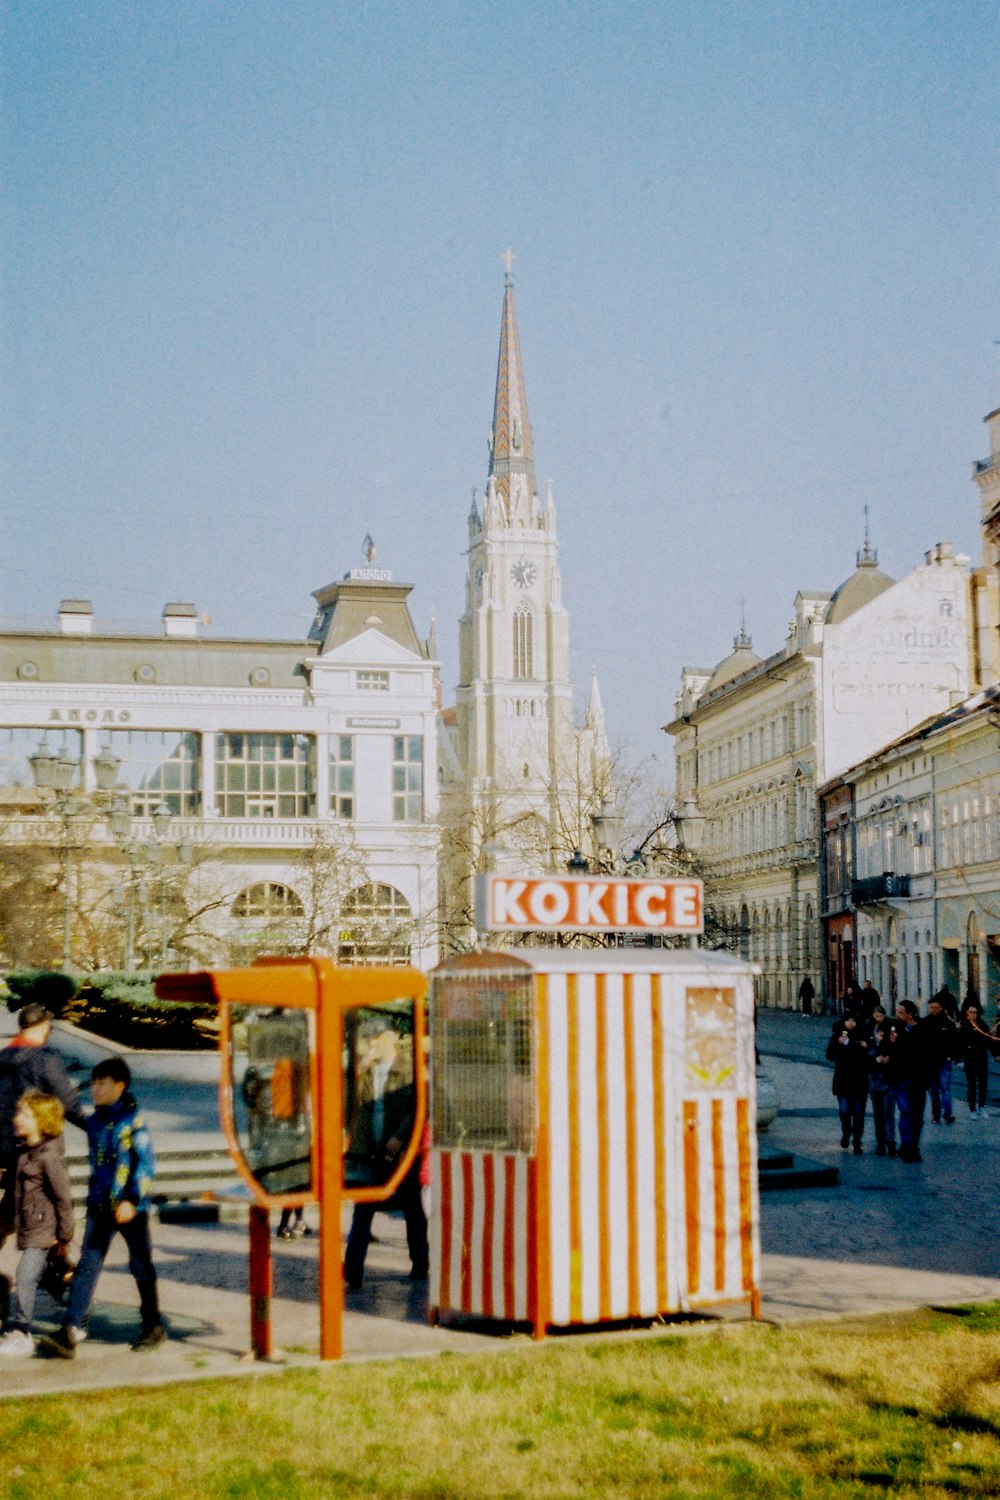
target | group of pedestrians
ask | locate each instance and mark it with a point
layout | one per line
(36, 1204)
(897, 1061)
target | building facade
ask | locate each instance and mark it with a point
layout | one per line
(754, 738)
(267, 795)
(911, 833)
(916, 828)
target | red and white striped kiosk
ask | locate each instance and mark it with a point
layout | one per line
(593, 1113)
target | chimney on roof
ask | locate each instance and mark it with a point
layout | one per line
(76, 617)
(180, 619)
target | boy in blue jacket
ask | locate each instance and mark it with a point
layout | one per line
(121, 1175)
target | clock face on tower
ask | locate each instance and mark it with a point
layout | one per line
(524, 573)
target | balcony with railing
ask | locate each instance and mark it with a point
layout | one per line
(985, 465)
(872, 889)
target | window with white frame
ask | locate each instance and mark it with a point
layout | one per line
(371, 682)
(264, 776)
(376, 926)
(268, 900)
(160, 768)
(407, 778)
(342, 776)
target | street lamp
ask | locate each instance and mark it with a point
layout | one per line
(690, 825)
(607, 827)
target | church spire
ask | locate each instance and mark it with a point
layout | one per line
(511, 448)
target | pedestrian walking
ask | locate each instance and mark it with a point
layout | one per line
(939, 1044)
(881, 1089)
(292, 1224)
(910, 1086)
(28, 1062)
(974, 1048)
(848, 1051)
(807, 994)
(382, 1125)
(43, 1210)
(122, 1166)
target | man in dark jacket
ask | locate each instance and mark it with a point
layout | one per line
(28, 1062)
(910, 1084)
(383, 1123)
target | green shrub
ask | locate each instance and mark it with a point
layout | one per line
(124, 1008)
(48, 987)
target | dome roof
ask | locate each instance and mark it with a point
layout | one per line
(740, 660)
(864, 585)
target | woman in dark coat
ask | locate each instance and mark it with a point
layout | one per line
(848, 1051)
(974, 1050)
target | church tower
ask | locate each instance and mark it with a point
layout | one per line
(516, 740)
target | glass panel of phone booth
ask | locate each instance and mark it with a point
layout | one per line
(270, 1091)
(379, 1090)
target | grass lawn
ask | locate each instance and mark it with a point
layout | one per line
(908, 1406)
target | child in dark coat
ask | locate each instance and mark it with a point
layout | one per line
(121, 1176)
(43, 1209)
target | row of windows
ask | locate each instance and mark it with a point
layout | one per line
(896, 839)
(757, 744)
(256, 775)
(969, 830)
(761, 827)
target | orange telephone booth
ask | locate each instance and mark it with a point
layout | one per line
(290, 1058)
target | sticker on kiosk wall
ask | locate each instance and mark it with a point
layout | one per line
(565, 903)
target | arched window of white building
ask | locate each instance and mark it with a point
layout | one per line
(376, 926)
(268, 900)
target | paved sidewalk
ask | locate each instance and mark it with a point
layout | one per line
(890, 1237)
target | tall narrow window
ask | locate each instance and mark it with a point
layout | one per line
(342, 775)
(407, 778)
(523, 642)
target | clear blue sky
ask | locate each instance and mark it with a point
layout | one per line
(252, 287)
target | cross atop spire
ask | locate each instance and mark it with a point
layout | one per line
(868, 556)
(511, 450)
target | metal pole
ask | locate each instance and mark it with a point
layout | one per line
(261, 1281)
(67, 957)
(329, 1138)
(130, 916)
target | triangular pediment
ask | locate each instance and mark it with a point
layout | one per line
(370, 648)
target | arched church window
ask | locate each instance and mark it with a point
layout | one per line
(524, 646)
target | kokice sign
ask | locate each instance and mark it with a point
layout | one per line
(555, 903)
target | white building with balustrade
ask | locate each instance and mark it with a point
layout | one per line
(267, 794)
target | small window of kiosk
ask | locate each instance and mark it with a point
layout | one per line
(483, 1056)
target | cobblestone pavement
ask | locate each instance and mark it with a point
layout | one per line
(891, 1236)
(891, 1233)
